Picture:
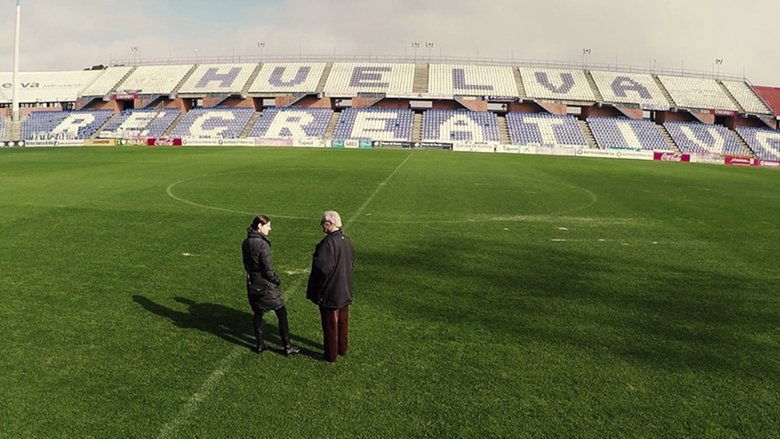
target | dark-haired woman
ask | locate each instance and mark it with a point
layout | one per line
(262, 283)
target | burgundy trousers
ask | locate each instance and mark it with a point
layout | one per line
(335, 331)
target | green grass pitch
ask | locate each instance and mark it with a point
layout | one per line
(512, 296)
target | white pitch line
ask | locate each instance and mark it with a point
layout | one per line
(215, 377)
(378, 189)
(205, 390)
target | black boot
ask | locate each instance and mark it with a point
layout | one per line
(259, 348)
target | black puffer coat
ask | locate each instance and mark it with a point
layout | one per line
(330, 281)
(262, 282)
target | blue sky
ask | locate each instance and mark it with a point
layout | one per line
(73, 34)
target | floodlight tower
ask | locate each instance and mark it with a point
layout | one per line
(15, 79)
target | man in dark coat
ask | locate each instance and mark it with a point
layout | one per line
(262, 283)
(330, 284)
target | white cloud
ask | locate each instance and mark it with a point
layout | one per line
(69, 34)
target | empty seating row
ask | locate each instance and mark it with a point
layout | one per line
(694, 137)
(47, 86)
(106, 82)
(542, 129)
(765, 143)
(462, 80)
(631, 88)
(218, 78)
(154, 79)
(349, 79)
(746, 97)
(459, 125)
(375, 124)
(213, 123)
(288, 78)
(64, 124)
(297, 123)
(140, 123)
(624, 133)
(557, 84)
(689, 92)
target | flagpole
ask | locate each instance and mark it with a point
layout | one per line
(15, 80)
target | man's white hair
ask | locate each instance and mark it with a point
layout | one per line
(333, 217)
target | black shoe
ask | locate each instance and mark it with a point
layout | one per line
(291, 350)
(259, 348)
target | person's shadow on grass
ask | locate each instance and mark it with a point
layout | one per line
(226, 323)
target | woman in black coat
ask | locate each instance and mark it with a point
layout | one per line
(262, 283)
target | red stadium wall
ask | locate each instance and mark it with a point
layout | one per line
(668, 116)
(395, 104)
(231, 102)
(180, 104)
(595, 111)
(307, 102)
(446, 105)
(103, 105)
(515, 107)
(771, 96)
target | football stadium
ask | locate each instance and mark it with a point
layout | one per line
(541, 248)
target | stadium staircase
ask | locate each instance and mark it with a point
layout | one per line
(594, 87)
(744, 144)
(173, 125)
(252, 78)
(668, 138)
(113, 90)
(586, 131)
(13, 131)
(503, 131)
(99, 131)
(420, 78)
(731, 96)
(331, 129)
(417, 127)
(324, 77)
(664, 91)
(519, 82)
(249, 125)
(181, 83)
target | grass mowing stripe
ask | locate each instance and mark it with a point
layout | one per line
(169, 191)
(378, 189)
(215, 377)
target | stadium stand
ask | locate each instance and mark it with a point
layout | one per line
(746, 97)
(382, 124)
(703, 93)
(152, 80)
(459, 125)
(106, 81)
(218, 78)
(63, 124)
(213, 123)
(297, 123)
(694, 137)
(765, 143)
(47, 86)
(288, 78)
(557, 84)
(630, 88)
(140, 123)
(448, 80)
(2, 128)
(349, 79)
(543, 129)
(624, 133)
